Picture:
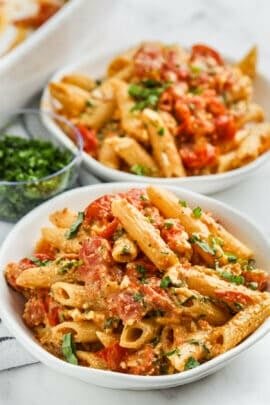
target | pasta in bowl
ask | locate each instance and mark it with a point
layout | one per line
(162, 112)
(142, 281)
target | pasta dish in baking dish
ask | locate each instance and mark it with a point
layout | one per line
(163, 111)
(20, 18)
(140, 282)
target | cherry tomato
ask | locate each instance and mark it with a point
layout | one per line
(199, 157)
(109, 230)
(100, 209)
(206, 51)
(90, 139)
(234, 297)
(113, 355)
(225, 127)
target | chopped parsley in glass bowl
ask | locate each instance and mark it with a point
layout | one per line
(34, 165)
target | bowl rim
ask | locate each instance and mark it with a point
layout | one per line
(33, 346)
(120, 175)
(77, 151)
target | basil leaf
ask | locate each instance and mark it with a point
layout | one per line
(73, 230)
(68, 349)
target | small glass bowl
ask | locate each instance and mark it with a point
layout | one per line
(17, 198)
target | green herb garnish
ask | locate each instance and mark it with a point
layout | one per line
(194, 239)
(142, 272)
(172, 352)
(165, 282)
(161, 131)
(125, 250)
(69, 349)
(168, 224)
(197, 212)
(232, 258)
(138, 297)
(73, 230)
(183, 203)
(191, 363)
(112, 322)
(232, 278)
(39, 262)
(140, 170)
(145, 95)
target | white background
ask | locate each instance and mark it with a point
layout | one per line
(232, 27)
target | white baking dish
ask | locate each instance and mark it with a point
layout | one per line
(61, 39)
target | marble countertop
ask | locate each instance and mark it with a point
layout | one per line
(232, 27)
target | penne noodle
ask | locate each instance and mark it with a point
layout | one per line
(124, 250)
(133, 154)
(131, 121)
(108, 156)
(239, 327)
(80, 80)
(64, 218)
(164, 148)
(90, 359)
(145, 235)
(83, 332)
(137, 334)
(70, 295)
(72, 98)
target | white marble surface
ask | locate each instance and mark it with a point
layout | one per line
(232, 27)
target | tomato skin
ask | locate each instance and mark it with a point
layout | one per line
(100, 209)
(199, 157)
(113, 355)
(109, 230)
(89, 137)
(206, 51)
(225, 127)
(259, 277)
(234, 297)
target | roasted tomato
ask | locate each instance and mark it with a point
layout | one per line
(205, 51)
(100, 209)
(225, 126)
(259, 277)
(125, 306)
(143, 362)
(113, 355)
(234, 297)
(89, 138)
(148, 60)
(200, 156)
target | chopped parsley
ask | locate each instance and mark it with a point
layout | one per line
(72, 264)
(168, 224)
(161, 131)
(196, 90)
(172, 352)
(248, 265)
(142, 273)
(197, 212)
(69, 349)
(146, 94)
(253, 285)
(196, 70)
(89, 104)
(73, 230)
(40, 262)
(165, 282)
(143, 197)
(232, 258)
(140, 170)
(232, 278)
(112, 322)
(195, 239)
(182, 203)
(138, 297)
(194, 342)
(118, 233)
(191, 363)
(125, 250)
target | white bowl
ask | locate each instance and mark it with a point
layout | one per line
(25, 70)
(95, 66)
(11, 304)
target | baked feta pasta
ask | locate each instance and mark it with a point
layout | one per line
(20, 18)
(164, 111)
(140, 282)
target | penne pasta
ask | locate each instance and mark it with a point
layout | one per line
(70, 295)
(83, 332)
(144, 234)
(135, 335)
(164, 148)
